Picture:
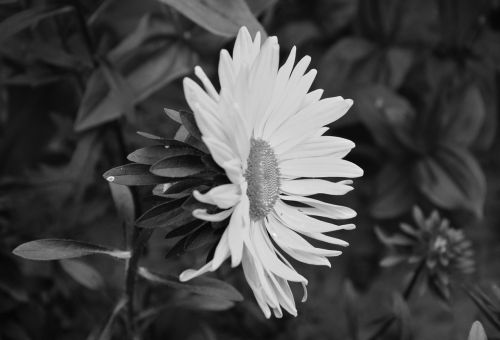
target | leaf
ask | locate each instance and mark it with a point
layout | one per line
(152, 154)
(83, 273)
(388, 116)
(178, 166)
(202, 285)
(219, 16)
(352, 309)
(124, 203)
(166, 215)
(24, 19)
(394, 191)
(120, 91)
(402, 313)
(105, 331)
(133, 174)
(465, 117)
(393, 240)
(477, 332)
(146, 65)
(338, 61)
(188, 121)
(186, 229)
(207, 303)
(453, 179)
(57, 249)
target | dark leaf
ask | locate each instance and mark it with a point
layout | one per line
(453, 179)
(83, 273)
(133, 174)
(218, 16)
(388, 116)
(187, 119)
(24, 19)
(152, 154)
(57, 249)
(105, 333)
(146, 67)
(402, 313)
(394, 191)
(202, 285)
(166, 215)
(200, 302)
(465, 117)
(178, 166)
(186, 229)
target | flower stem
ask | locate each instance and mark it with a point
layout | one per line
(139, 240)
(406, 296)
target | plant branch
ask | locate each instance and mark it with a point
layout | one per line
(406, 296)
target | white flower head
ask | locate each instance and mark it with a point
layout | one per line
(265, 129)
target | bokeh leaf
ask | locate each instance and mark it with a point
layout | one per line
(83, 273)
(145, 64)
(218, 16)
(453, 179)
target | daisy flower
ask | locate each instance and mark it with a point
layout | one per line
(265, 129)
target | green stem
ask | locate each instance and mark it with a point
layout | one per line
(139, 240)
(406, 296)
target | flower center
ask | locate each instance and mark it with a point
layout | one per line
(262, 177)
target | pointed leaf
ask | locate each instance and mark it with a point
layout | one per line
(83, 273)
(453, 179)
(124, 203)
(218, 16)
(133, 174)
(206, 286)
(178, 166)
(57, 249)
(165, 215)
(24, 19)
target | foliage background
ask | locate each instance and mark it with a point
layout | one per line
(79, 78)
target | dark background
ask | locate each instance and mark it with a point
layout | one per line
(79, 78)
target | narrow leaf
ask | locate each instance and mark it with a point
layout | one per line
(124, 203)
(57, 249)
(202, 285)
(133, 174)
(179, 166)
(219, 16)
(83, 273)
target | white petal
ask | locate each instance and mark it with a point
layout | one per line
(340, 212)
(221, 252)
(287, 238)
(223, 196)
(220, 152)
(238, 230)
(202, 214)
(320, 146)
(295, 219)
(209, 87)
(227, 73)
(310, 118)
(306, 187)
(269, 259)
(326, 166)
(189, 274)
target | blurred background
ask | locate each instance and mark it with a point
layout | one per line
(79, 78)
